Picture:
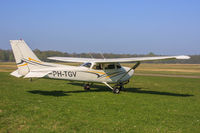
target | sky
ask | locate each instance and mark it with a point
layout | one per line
(166, 27)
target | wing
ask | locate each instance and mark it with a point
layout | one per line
(73, 59)
(117, 60)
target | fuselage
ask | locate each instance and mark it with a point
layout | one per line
(81, 73)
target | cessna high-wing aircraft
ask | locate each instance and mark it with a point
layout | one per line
(106, 71)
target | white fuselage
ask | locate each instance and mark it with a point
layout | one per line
(81, 73)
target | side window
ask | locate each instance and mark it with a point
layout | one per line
(98, 67)
(109, 66)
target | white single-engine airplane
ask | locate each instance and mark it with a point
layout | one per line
(106, 71)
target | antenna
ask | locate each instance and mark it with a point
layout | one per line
(91, 56)
(102, 56)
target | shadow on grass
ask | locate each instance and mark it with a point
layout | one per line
(138, 90)
(101, 88)
(49, 93)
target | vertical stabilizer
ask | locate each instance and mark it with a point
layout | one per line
(25, 59)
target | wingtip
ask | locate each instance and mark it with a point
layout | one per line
(185, 57)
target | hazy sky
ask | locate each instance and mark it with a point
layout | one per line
(119, 26)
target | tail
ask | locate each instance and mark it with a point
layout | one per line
(25, 59)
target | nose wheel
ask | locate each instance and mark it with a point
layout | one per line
(117, 89)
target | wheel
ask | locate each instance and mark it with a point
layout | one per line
(87, 87)
(116, 90)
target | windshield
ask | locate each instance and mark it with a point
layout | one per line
(87, 64)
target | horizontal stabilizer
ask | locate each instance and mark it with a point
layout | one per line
(36, 74)
(16, 74)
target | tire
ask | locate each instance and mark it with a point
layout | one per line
(87, 87)
(116, 90)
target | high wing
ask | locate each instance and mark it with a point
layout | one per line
(117, 60)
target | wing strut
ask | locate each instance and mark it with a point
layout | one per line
(108, 85)
(134, 67)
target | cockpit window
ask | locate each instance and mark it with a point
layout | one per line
(87, 65)
(98, 67)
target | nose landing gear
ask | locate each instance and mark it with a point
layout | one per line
(118, 88)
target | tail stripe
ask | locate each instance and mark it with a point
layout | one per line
(22, 65)
(35, 63)
(34, 60)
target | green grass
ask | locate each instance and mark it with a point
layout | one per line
(168, 73)
(148, 104)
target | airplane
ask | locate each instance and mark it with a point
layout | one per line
(106, 71)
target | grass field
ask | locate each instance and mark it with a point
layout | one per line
(147, 104)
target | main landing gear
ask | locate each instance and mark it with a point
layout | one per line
(86, 87)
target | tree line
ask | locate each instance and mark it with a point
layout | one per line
(7, 56)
